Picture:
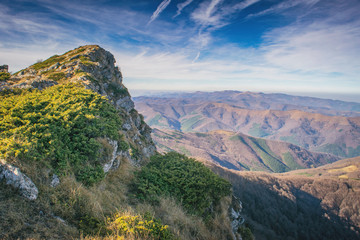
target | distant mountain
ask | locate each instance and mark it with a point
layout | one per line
(238, 151)
(262, 101)
(320, 203)
(301, 121)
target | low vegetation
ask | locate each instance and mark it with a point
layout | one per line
(57, 77)
(48, 62)
(4, 76)
(58, 127)
(190, 182)
(130, 226)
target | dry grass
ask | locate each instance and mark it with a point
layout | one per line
(186, 226)
(351, 168)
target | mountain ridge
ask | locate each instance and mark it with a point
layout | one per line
(238, 151)
(338, 135)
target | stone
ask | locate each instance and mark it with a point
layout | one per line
(14, 177)
(55, 181)
(126, 126)
(125, 103)
(107, 166)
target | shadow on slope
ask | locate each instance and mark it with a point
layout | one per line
(276, 209)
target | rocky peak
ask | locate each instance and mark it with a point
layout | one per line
(95, 69)
(89, 65)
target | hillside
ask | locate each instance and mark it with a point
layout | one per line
(78, 161)
(238, 151)
(320, 203)
(258, 117)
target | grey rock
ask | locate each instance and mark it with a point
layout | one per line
(126, 126)
(14, 177)
(236, 219)
(125, 103)
(55, 181)
(107, 166)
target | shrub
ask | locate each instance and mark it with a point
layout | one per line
(4, 76)
(137, 227)
(123, 146)
(188, 181)
(48, 62)
(57, 76)
(118, 90)
(59, 126)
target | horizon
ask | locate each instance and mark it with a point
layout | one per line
(328, 96)
(308, 47)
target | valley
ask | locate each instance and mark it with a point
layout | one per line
(314, 203)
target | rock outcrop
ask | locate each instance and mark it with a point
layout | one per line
(235, 216)
(95, 68)
(14, 177)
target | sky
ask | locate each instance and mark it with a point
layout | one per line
(289, 46)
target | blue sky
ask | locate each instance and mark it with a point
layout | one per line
(308, 46)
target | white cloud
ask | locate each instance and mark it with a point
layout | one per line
(283, 6)
(205, 14)
(176, 71)
(159, 9)
(316, 47)
(181, 6)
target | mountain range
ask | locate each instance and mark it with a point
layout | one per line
(240, 152)
(294, 186)
(316, 124)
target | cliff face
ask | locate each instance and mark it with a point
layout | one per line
(94, 68)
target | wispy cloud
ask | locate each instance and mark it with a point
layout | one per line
(205, 14)
(316, 47)
(283, 6)
(181, 6)
(159, 9)
(244, 4)
(175, 71)
(319, 48)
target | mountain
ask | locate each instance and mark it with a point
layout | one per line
(260, 115)
(319, 203)
(262, 101)
(238, 151)
(77, 161)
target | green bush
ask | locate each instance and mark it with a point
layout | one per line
(246, 233)
(57, 76)
(123, 146)
(48, 62)
(117, 90)
(4, 76)
(188, 181)
(58, 126)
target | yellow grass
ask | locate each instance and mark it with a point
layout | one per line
(351, 168)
